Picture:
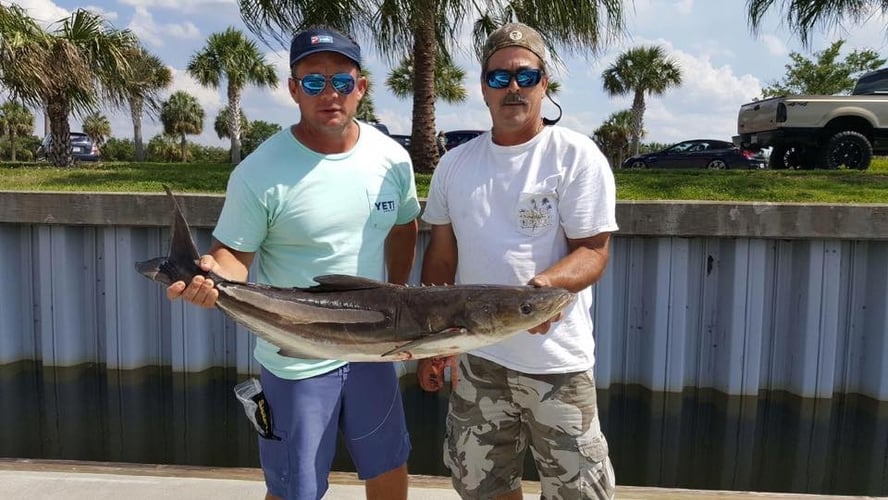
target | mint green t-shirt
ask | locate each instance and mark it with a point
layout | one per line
(306, 214)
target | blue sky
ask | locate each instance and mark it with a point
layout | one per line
(723, 65)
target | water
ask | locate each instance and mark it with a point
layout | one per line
(698, 439)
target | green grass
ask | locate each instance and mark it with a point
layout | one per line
(805, 186)
(812, 186)
(116, 177)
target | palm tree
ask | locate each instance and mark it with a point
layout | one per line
(614, 136)
(97, 127)
(163, 147)
(220, 125)
(148, 77)
(231, 56)
(802, 16)
(75, 65)
(640, 71)
(448, 80)
(181, 116)
(366, 110)
(15, 121)
(429, 29)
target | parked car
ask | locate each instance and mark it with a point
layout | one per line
(698, 153)
(82, 147)
(381, 127)
(403, 140)
(454, 138)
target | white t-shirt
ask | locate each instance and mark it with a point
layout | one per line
(512, 209)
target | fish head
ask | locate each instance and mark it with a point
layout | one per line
(504, 310)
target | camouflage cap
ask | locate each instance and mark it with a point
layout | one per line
(514, 35)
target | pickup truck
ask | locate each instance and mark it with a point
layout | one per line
(812, 131)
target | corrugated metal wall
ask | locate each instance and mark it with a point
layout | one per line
(737, 314)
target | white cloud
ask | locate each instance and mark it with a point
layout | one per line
(158, 35)
(178, 5)
(684, 7)
(774, 45)
(45, 12)
(281, 95)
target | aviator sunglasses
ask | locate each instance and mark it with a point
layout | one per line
(315, 83)
(524, 77)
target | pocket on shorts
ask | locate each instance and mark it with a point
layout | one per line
(594, 449)
(536, 213)
(275, 457)
(596, 475)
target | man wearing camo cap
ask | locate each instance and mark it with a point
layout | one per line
(528, 202)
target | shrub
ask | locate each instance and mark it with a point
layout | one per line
(118, 150)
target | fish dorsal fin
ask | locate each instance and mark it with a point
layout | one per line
(182, 247)
(343, 282)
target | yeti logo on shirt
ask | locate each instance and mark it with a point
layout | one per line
(536, 212)
(385, 206)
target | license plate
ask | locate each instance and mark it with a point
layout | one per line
(78, 150)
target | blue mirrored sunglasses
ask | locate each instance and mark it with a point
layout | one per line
(315, 83)
(525, 77)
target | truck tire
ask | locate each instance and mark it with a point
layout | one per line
(849, 149)
(787, 156)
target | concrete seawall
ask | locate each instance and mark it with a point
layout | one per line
(736, 297)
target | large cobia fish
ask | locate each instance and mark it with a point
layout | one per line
(358, 319)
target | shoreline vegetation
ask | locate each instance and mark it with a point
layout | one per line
(779, 186)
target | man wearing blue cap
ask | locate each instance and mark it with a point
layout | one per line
(328, 195)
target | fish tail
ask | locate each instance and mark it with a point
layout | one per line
(181, 263)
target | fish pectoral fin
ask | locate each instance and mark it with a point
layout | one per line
(344, 283)
(419, 343)
(291, 354)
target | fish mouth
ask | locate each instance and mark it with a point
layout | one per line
(556, 301)
(567, 299)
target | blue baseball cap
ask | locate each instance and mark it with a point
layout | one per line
(315, 40)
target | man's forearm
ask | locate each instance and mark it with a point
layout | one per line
(400, 252)
(440, 259)
(581, 268)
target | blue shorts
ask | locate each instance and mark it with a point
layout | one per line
(360, 401)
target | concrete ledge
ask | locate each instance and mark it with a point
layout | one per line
(72, 480)
(753, 220)
(666, 218)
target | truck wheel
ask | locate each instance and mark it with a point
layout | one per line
(783, 157)
(849, 149)
(775, 160)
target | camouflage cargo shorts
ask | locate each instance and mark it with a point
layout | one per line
(496, 413)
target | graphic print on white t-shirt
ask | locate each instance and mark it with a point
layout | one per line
(536, 212)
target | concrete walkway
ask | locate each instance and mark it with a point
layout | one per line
(50, 480)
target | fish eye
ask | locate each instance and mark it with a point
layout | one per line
(526, 308)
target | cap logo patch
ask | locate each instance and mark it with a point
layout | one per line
(516, 35)
(321, 39)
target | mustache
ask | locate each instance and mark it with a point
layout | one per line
(514, 98)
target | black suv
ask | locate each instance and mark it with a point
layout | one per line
(454, 138)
